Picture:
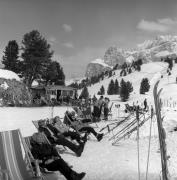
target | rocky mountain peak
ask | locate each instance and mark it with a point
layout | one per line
(149, 50)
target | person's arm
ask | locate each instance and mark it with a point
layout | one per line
(54, 129)
(48, 134)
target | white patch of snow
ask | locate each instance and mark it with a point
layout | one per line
(8, 74)
(163, 54)
(129, 59)
(101, 62)
(35, 83)
(4, 85)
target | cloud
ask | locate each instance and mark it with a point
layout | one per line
(68, 45)
(67, 27)
(167, 21)
(52, 40)
(161, 25)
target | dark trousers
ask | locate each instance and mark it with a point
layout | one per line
(106, 110)
(96, 111)
(100, 111)
(73, 136)
(61, 140)
(89, 130)
(62, 166)
(86, 120)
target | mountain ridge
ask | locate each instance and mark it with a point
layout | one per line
(150, 50)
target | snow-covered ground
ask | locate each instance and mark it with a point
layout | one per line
(102, 160)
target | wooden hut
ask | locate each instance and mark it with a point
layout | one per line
(53, 92)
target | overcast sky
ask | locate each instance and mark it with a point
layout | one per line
(82, 30)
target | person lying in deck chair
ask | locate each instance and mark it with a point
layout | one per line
(50, 159)
(60, 140)
(70, 120)
(60, 129)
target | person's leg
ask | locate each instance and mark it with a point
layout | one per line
(106, 110)
(62, 166)
(89, 130)
(96, 111)
(100, 111)
(75, 148)
(87, 120)
(73, 136)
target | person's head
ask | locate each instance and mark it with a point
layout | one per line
(83, 101)
(57, 120)
(106, 99)
(73, 113)
(76, 108)
(41, 123)
(38, 138)
(101, 97)
(47, 121)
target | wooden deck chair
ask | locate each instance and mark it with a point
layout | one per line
(3, 174)
(11, 159)
(45, 174)
(28, 144)
(76, 125)
(60, 148)
(36, 123)
(78, 111)
(28, 147)
(85, 114)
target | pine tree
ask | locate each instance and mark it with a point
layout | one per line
(110, 90)
(124, 91)
(110, 73)
(54, 74)
(10, 57)
(84, 94)
(102, 90)
(130, 70)
(144, 87)
(116, 87)
(36, 56)
(116, 67)
(94, 98)
(129, 86)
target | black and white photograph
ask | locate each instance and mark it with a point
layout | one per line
(88, 90)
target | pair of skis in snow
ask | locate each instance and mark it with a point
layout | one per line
(161, 132)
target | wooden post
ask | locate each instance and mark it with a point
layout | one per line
(137, 118)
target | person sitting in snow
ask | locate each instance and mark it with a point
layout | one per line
(50, 159)
(73, 122)
(60, 140)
